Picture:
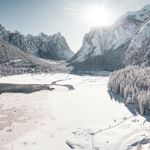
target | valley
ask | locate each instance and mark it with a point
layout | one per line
(94, 98)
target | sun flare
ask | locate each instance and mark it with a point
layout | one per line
(92, 14)
(96, 16)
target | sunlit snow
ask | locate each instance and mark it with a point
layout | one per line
(83, 118)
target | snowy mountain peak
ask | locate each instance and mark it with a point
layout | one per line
(147, 7)
(110, 43)
(58, 36)
(139, 16)
(43, 36)
(53, 47)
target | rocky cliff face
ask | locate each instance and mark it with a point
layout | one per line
(138, 52)
(55, 47)
(15, 61)
(52, 47)
(104, 48)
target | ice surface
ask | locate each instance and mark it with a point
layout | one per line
(83, 118)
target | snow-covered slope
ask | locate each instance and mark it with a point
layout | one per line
(55, 47)
(52, 47)
(15, 61)
(138, 52)
(85, 118)
(113, 39)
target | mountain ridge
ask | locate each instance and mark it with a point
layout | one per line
(15, 61)
(114, 40)
(52, 47)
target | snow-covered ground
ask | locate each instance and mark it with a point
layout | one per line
(83, 118)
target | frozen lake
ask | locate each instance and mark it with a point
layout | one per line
(83, 118)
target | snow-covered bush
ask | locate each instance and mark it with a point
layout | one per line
(133, 84)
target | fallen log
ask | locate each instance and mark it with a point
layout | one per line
(23, 88)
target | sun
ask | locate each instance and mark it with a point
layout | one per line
(92, 14)
(96, 16)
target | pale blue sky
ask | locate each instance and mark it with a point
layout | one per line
(52, 16)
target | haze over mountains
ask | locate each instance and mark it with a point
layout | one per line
(15, 61)
(27, 54)
(104, 48)
(52, 47)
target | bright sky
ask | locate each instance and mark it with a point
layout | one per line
(73, 18)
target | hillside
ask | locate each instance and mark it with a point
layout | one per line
(53, 47)
(138, 52)
(105, 48)
(14, 61)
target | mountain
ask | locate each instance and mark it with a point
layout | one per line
(104, 48)
(52, 47)
(138, 52)
(14, 61)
